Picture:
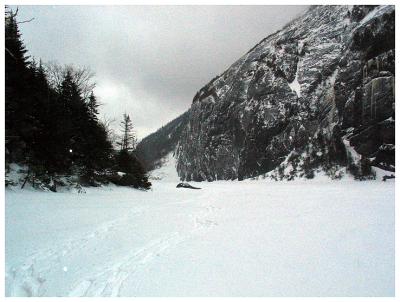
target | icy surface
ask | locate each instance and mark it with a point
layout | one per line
(250, 238)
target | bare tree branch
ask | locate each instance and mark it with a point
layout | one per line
(55, 74)
(26, 21)
(9, 11)
(107, 125)
(81, 76)
(15, 14)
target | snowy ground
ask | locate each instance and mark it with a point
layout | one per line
(251, 238)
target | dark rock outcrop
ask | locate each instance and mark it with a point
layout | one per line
(185, 185)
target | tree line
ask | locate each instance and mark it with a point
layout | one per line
(52, 124)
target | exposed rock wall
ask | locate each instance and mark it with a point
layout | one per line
(327, 74)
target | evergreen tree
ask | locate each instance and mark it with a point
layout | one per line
(16, 92)
(128, 140)
(126, 160)
(92, 106)
(64, 140)
(96, 145)
(39, 115)
(15, 49)
(135, 174)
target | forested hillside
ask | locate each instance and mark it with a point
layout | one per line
(158, 144)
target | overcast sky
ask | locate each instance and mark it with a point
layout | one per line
(149, 61)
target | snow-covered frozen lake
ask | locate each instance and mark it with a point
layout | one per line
(251, 238)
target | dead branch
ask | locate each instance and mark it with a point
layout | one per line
(26, 21)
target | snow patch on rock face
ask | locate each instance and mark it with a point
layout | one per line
(353, 153)
(295, 85)
(332, 78)
(167, 171)
(378, 11)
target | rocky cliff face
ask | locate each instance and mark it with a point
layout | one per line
(304, 98)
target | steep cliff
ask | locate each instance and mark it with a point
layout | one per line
(302, 97)
(317, 95)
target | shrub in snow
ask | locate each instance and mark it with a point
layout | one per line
(131, 171)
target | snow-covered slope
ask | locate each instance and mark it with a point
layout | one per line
(228, 239)
(166, 172)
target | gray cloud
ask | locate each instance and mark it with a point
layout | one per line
(149, 60)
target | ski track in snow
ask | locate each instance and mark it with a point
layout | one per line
(29, 278)
(229, 238)
(109, 282)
